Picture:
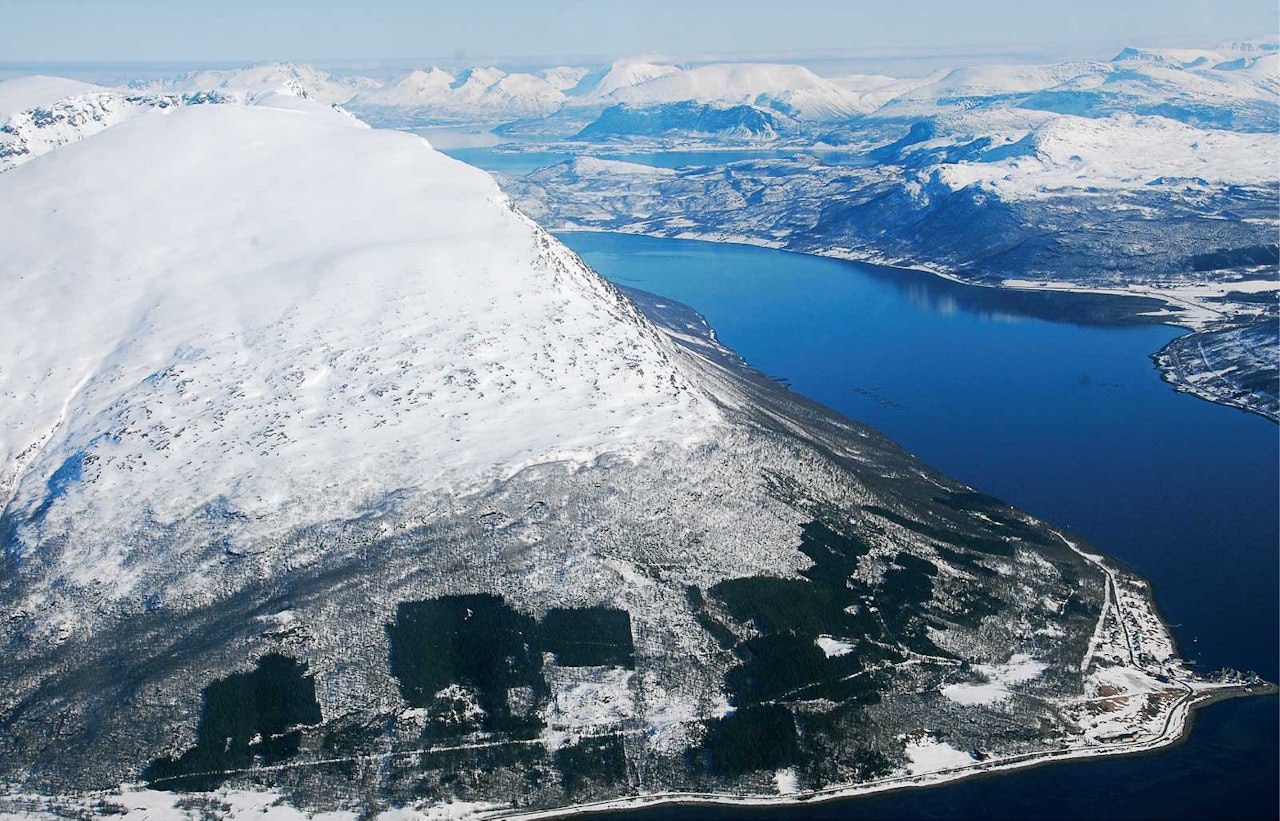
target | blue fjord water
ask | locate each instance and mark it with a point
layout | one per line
(524, 162)
(1066, 419)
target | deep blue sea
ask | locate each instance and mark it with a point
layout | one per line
(1068, 420)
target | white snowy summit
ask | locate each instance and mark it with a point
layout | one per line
(287, 318)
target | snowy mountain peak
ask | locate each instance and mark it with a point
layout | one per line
(218, 324)
(300, 80)
(479, 78)
(563, 78)
(1173, 57)
(419, 81)
(617, 75)
(1260, 45)
(474, 95)
(787, 88)
(37, 129)
(37, 91)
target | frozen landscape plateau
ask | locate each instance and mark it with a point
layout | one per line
(334, 485)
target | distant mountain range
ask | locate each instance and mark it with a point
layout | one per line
(1227, 87)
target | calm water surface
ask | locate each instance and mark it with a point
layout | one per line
(519, 163)
(1068, 421)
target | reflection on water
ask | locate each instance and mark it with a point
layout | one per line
(942, 296)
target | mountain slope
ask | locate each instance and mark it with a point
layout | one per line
(274, 310)
(328, 473)
(47, 113)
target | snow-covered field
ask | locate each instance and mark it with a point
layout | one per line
(1019, 669)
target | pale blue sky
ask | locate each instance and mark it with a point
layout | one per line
(204, 31)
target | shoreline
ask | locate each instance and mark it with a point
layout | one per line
(1179, 717)
(1184, 712)
(1178, 721)
(1184, 311)
(1181, 722)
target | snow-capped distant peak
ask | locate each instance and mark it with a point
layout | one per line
(1175, 57)
(1261, 45)
(479, 77)
(564, 78)
(36, 91)
(792, 89)
(618, 75)
(432, 80)
(476, 95)
(300, 80)
(31, 132)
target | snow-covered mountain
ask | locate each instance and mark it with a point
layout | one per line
(38, 114)
(1228, 87)
(688, 119)
(972, 86)
(36, 91)
(790, 89)
(1236, 94)
(604, 82)
(323, 469)
(238, 360)
(475, 95)
(45, 113)
(302, 80)
(1112, 153)
(418, 88)
(564, 78)
(488, 95)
